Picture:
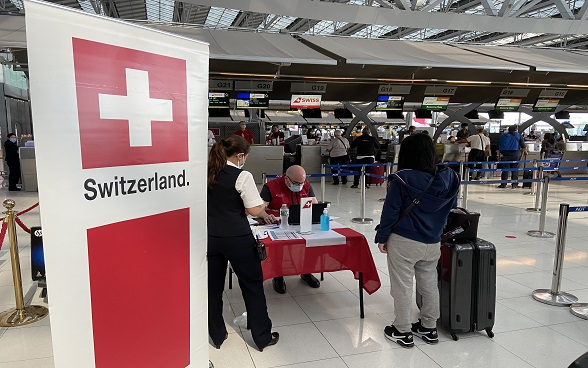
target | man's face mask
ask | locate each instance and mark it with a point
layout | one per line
(13, 140)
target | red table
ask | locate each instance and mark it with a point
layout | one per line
(293, 257)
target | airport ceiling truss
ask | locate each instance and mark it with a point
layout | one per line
(539, 23)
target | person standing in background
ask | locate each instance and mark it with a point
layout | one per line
(479, 143)
(510, 147)
(244, 132)
(464, 132)
(276, 137)
(211, 140)
(232, 195)
(13, 162)
(338, 149)
(368, 148)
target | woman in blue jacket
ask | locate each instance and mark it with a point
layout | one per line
(412, 240)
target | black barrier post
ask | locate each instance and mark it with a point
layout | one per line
(541, 233)
(554, 296)
(362, 219)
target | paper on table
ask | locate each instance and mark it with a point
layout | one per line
(283, 234)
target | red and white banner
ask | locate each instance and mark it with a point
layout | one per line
(305, 102)
(119, 112)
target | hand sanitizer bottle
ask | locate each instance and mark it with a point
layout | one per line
(325, 218)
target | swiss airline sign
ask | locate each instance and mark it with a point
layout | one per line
(305, 102)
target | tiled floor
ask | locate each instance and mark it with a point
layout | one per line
(320, 328)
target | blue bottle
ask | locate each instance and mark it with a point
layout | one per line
(325, 218)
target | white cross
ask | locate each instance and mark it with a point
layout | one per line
(136, 107)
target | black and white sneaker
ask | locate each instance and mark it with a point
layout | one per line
(403, 339)
(429, 335)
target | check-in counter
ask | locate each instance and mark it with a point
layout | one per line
(28, 168)
(265, 159)
(575, 151)
(455, 152)
(311, 160)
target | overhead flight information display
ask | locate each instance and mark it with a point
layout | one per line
(246, 100)
(438, 103)
(508, 104)
(387, 102)
(218, 99)
(545, 105)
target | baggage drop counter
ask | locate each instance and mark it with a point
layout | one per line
(311, 160)
(265, 159)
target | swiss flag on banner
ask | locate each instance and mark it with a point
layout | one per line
(140, 290)
(132, 107)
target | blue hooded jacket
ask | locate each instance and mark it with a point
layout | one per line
(425, 222)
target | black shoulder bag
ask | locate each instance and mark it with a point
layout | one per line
(408, 208)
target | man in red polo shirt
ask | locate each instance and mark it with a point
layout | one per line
(287, 189)
(244, 132)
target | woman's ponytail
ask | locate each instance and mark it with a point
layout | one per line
(220, 152)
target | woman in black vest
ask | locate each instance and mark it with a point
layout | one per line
(231, 195)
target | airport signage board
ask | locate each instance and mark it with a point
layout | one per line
(124, 224)
(220, 85)
(218, 99)
(517, 92)
(553, 93)
(305, 102)
(308, 87)
(259, 85)
(394, 89)
(440, 91)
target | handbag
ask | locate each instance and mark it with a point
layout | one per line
(461, 224)
(408, 208)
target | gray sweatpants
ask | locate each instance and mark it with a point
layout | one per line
(408, 259)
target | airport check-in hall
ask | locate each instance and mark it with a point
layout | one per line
(331, 183)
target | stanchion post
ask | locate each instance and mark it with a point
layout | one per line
(388, 168)
(460, 191)
(554, 296)
(362, 219)
(540, 175)
(541, 233)
(323, 179)
(464, 199)
(20, 315)
(264, 178)
(535, 175)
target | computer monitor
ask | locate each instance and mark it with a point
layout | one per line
(317, 211)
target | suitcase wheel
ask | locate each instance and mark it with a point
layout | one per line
(490, 333)
(454, 336)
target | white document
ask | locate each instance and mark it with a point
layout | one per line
(283, 234)
(320, 238)
(306, 215)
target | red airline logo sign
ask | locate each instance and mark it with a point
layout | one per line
(308, 204)
(305, 101)
(132, 111)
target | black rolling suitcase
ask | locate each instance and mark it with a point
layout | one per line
(467, 286)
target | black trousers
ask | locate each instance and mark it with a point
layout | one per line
(241, 252)
(13, 173)
(367, 160)
(341, 160)
(510, 156)
(476, 155)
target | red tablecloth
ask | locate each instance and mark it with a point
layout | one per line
(293, 257)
